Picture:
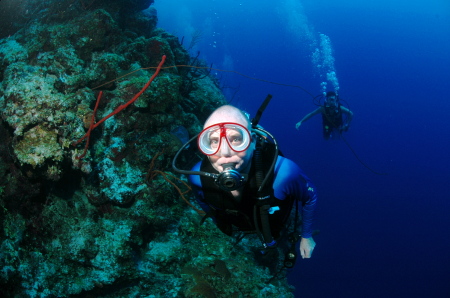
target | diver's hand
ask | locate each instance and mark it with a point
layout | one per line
(344, 127)
(298, 124)
(306, 247)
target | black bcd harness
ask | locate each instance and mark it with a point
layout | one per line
(254, 211)
(332, 116)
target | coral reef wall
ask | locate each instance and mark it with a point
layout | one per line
(113, 223)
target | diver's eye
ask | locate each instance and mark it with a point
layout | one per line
(214, 143)
(235, 140)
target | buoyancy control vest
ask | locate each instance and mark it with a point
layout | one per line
(332, 116)
(232, 214)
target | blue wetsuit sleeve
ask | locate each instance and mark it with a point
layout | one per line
(291, 181)
(196, 184)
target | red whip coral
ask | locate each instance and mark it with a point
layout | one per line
(117, 110)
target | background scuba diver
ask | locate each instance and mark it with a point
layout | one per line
(231, 151)
(332, 118)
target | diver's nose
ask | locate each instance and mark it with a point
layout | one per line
(225, 149)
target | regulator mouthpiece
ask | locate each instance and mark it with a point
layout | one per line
(229, 179)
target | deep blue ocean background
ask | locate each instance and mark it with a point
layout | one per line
(381, 235)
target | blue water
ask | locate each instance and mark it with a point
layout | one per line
(381, 235)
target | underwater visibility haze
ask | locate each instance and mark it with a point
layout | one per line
(95, 102)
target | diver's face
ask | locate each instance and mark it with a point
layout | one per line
(331, 101)
(226, 154)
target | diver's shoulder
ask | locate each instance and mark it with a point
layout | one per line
(284, 163)
(195, 179)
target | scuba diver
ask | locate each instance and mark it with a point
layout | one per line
(245, 185)
(332, 118)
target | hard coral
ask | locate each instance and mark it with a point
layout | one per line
(38, 145)
(101, 230)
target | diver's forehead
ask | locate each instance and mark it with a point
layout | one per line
(215, 131)
(220, 118)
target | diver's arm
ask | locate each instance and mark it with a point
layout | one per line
(196, 185)
(291, 181)
(308, 197)
(307, 243)
(307, 117)
(349, 115)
